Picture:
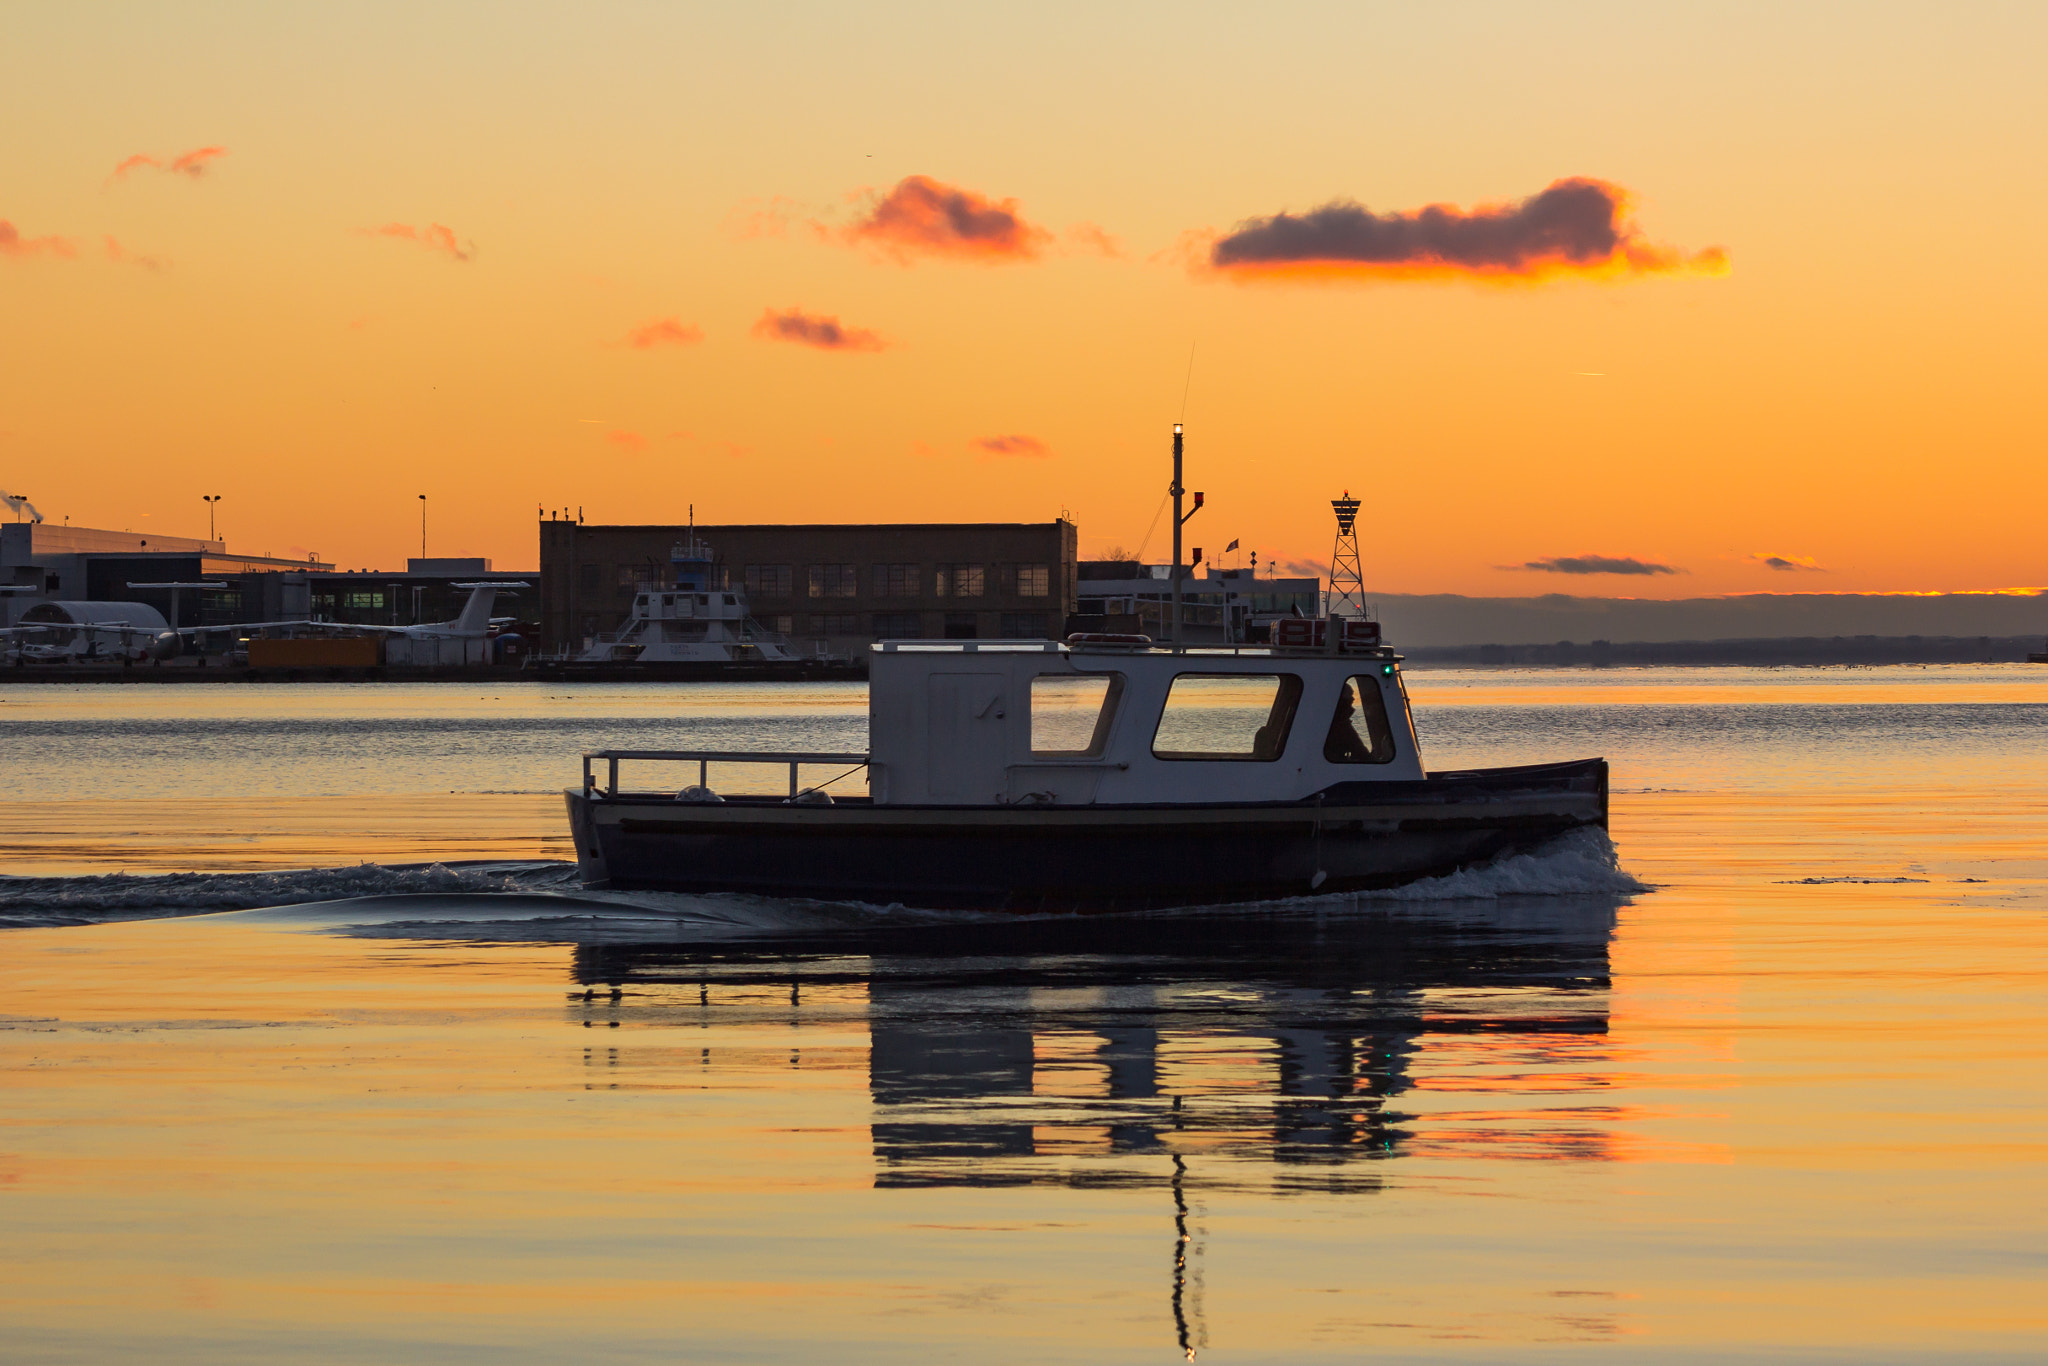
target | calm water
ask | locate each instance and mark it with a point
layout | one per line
(1785, 1104)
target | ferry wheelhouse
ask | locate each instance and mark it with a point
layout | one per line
(1096, 774)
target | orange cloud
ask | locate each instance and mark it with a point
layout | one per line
(625, 440)
(805, 329)
(1029, 447)
(1577, 227)
(924, 217)
(664, 332)
(434, 237)
(12, 243)
(192, 163)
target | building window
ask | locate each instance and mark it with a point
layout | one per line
(960, 626)
(898, 625)
(834, 581)
(835, 624)
(1027, 580)
(361, 602)
(962, 581)
(1024, 626)
(768, 581)
(629, 575)
(896, 581)
(783, 625)
(587, 579)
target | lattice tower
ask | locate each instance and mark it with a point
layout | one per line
(1347, 576)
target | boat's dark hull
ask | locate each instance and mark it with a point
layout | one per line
(1083, 858)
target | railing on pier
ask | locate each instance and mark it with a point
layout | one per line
(704, 758)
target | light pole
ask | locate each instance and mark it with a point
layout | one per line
(1179, 519)
(209, 499)
(423, 526)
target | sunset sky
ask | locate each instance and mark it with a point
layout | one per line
(1715, 299)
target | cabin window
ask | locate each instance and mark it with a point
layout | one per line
(1227, 716)
(1359, 731)
(1070, 713)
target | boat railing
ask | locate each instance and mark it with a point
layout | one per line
(703, 759)
(890, 647)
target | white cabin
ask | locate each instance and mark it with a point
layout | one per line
(972, 723)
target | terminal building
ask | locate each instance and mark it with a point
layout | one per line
(44, 563)
(200, 583)
(831, 589)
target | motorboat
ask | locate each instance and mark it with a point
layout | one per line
(689, 618)
(1091, 774)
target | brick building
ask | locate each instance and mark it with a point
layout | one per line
(828, 588)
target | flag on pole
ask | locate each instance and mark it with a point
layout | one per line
(1232, 546)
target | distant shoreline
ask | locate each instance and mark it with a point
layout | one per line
(1790, 651)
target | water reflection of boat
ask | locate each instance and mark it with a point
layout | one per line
(1230, 1051)
(1274, 1047)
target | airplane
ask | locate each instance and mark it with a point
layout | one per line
(90, 631)
(159, 641)
(474, 622)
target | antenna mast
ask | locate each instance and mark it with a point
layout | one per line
(1347, 578)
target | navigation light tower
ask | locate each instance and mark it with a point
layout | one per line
(1347, 578)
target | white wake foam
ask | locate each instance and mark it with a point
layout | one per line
(1581, 862)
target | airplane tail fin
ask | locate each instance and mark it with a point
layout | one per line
(476, 613)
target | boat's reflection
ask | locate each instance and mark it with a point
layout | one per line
(1220, 1049)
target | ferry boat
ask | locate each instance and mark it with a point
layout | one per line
(696, 621)
(1094, 774)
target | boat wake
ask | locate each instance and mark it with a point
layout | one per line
(39, 901)
(543, 900)
(1582, 862)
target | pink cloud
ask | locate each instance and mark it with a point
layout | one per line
(12, 243)
(925, 217)
(806, 329)
(1093, 237)
(193, 163)
(664, 332)
(1028, 447)
(118, 253)
(434, 237)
